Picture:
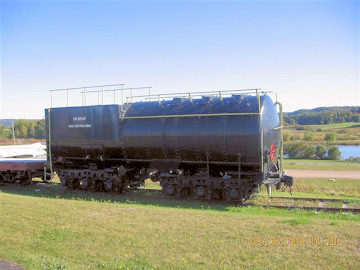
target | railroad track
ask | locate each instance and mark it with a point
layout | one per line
(321, 206)
(313, 199)
(156, 192)
(318, 208)
(268, 205)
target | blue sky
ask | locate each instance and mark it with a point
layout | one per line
(307, 51)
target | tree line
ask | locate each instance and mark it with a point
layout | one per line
(24, 129)
(321, 116)
(308, 151)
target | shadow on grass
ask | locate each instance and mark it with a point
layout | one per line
(139, 197)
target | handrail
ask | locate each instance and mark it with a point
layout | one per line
(149, 96)
(118, 89)
(84, 93)
(252, 90)
(281, 135)
(50, 155)
(101, 88)
(93, 86)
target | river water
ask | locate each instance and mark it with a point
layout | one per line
(349, 150)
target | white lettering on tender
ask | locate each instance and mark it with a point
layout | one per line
(79, 118)
(80, 126)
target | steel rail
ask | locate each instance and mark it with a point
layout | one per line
(330, 209)
(311, 199)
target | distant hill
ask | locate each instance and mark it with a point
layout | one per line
(324, 109)
(7, 122)
(323, 115)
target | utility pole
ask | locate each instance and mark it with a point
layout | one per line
(12, 131)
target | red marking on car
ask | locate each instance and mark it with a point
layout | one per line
(272, 153)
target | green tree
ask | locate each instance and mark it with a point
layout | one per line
(356, 118)
(300, 150)
(286, 136)
(308, 151)
(4, 132)
(40, 129)
(320, 152)
(21, 128)
(330, 137)
(30, 129)
(334, 153)
(21, 131)
(308, 136)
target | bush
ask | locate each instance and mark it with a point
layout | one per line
(330, 137)
(299, 128)
(309, 151)
(334, 153)
(308, 136)
(353, 159)
(320, 152)
(300, 150)
(295, 137)
(287, 136)
(303, 150)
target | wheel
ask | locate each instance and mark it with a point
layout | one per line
(117, 188)
(86, 183)
(200, 191)
(209, 194)
(26, 179)
(74, 184)
(64, 181)
(184, 192)
(234, 194)
(8, 177)
(99, 186)
(169, 190)
(2, 179)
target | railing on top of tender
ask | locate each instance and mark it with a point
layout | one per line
(191, 95)
(101, 91)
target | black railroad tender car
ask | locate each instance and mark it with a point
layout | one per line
(221, 145)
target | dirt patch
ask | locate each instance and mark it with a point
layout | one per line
(20, 141)
(4, 265)
(324, 174)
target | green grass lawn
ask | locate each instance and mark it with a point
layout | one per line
(320, 161)
(50, 227)
(346, 133)
(335, 126)
(324, 165)
(341, 188)
(47, 228)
